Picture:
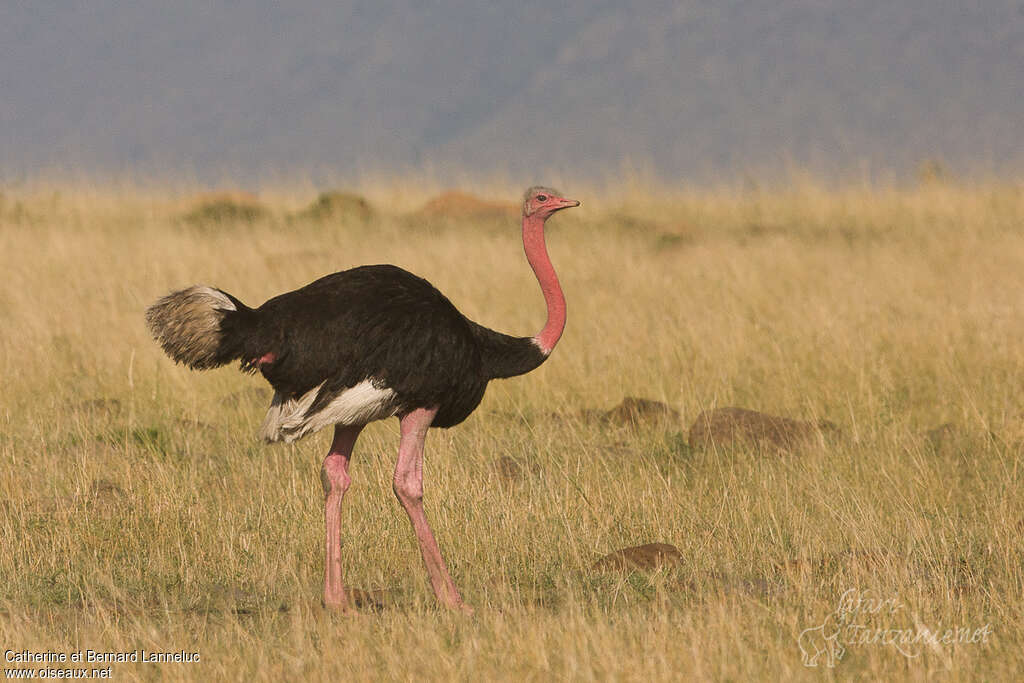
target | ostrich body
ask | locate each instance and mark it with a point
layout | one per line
(361, 345)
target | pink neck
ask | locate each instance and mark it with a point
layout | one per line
(537, 255)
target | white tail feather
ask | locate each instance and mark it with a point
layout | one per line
(287, 419)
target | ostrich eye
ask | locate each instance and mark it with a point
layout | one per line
(542, 198)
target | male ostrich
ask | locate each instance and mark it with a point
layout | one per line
(361, 345)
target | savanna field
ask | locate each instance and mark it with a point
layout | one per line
(139, 511)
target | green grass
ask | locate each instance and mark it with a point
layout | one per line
(140, 511)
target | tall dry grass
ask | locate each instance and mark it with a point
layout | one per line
(139, 511)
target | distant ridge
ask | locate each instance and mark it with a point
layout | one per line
(700, 89)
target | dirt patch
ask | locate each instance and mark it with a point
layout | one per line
(735, 426)
(645, 557)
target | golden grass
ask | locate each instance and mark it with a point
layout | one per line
(139, 511)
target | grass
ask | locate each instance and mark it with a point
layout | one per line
(140, 512)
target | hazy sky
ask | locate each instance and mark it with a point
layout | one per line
(690, 90)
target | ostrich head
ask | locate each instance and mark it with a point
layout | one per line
(544, 201)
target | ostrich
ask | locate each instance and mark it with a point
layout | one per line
(360, 345)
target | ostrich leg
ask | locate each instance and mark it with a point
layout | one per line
(408, 486)
(334, 476)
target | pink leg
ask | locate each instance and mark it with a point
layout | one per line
(334, 476)
(409, 489)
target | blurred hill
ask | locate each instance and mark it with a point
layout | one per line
(695, 89)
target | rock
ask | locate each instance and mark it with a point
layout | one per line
(334, 206)
(643, 557)
(731, 426)
(455, 205)
(634, 410)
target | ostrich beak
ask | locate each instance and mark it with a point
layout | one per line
(566, 204)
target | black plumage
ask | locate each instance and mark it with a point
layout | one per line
(379, 323)
(384, 323)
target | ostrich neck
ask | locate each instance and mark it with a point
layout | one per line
(537, 255)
